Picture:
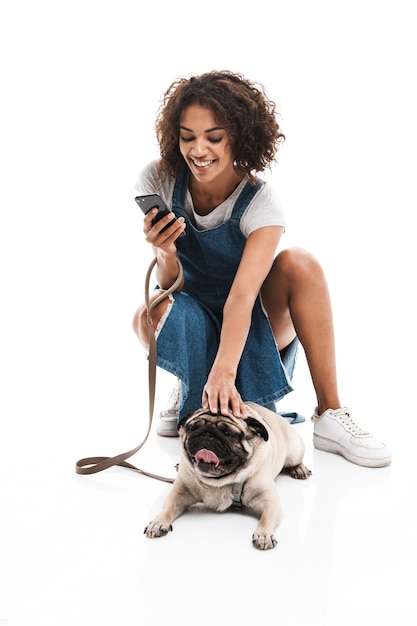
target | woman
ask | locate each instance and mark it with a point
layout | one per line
(231, 331)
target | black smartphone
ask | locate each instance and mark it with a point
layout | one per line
(151, 201)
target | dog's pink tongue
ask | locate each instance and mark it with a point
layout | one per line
(207, 456)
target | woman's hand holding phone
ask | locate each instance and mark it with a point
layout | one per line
(165, 231)
(161, 227)
(161, 230)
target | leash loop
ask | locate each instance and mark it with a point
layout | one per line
(94, 464)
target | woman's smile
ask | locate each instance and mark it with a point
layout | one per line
(205, 145)
(202, 165)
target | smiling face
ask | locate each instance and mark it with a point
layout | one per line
(205, 146)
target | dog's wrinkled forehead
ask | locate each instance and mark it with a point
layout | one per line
(204, 416)
(241, 425)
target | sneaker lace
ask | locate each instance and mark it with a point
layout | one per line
(346, 420)
(175, 397)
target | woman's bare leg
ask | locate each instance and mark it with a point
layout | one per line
(296, 297)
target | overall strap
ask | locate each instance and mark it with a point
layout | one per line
(180, 189)
(246, 195)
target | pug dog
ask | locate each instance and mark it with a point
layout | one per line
(227, 461)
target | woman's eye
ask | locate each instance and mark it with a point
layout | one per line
(210, 139)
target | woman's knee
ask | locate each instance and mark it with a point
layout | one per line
(294, 270)
(297, 263)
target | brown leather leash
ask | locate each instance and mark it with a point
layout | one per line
(94, 464)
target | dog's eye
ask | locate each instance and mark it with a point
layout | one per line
(198, 423)
(227, 430)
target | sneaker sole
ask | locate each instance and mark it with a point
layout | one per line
(326, 445)
(166, 433)
(167, 423)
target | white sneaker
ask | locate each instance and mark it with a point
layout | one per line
(168, 419)
(335, 431)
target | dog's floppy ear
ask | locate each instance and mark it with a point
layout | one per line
(257, 427)
(183, 420)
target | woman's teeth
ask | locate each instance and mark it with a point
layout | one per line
(202, 163)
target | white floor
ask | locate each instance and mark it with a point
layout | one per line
(73, 550)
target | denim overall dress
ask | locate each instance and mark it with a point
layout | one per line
(188, 337)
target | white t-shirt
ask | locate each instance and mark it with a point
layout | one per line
(263, 210)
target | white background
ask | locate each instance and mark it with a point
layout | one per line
(80, 85)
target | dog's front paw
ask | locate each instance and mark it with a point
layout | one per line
(157, 528)
(263, 541)
(300, 471)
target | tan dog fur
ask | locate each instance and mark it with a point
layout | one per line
(259, 463)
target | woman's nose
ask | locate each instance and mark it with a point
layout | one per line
(199, 147)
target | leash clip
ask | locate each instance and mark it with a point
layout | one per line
(237, 496)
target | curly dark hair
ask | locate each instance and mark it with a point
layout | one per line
(238, 104)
